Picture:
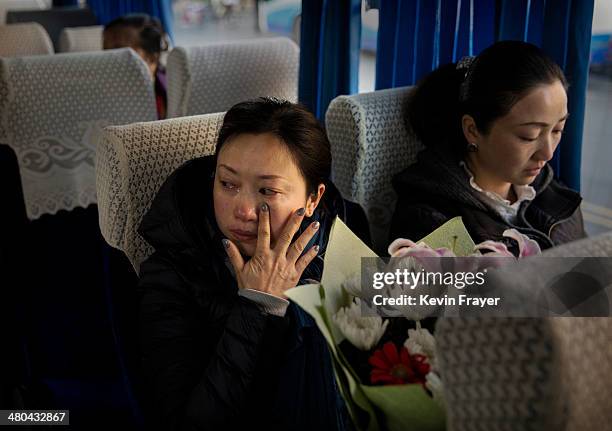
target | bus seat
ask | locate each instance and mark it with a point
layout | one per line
(52, 115)
(133, 161)
(79, 39)
(54, 19)
(212, 78)
(18, 40)
(370, 144)
(52, 112)
(532, 373)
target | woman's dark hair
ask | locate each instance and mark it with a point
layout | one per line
(293, 124)
(151, 35)
(486, 89)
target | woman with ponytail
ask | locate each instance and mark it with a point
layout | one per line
(489, 124)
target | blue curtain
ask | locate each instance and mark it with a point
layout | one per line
(107, 10)
(416, 36)
(329, 52)
(563, 29)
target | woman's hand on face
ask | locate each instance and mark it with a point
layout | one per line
(274, 270)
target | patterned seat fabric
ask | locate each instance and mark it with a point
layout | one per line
(213, 78)
(529, 374)
(52, 112)
(370, 144)
(18, 40)
(133, 161)
(79, 39)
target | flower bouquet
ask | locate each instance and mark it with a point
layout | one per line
(385, 367)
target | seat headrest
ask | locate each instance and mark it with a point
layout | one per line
(214, 77)
(133, 161)
(52, 112)
(370, 144)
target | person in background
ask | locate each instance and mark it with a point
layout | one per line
(145, 35)
(490, 125)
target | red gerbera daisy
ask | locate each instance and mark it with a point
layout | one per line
(390, 367)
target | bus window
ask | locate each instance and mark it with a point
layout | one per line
(199, 22)
(596, 148)
(367, 60)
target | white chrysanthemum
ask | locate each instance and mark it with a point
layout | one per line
(420, 341)
(434, 384)
(353, 285)
(361, 331)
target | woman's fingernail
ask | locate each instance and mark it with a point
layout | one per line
(316, 248)
(264, 207)
(315, 225)
(301, 211)
(225, 242)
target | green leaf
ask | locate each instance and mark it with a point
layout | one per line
(452, 235)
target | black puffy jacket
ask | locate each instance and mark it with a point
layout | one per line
(211, 359)
(436, 189)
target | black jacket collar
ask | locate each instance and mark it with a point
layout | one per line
(440, 178)
(440, 175)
